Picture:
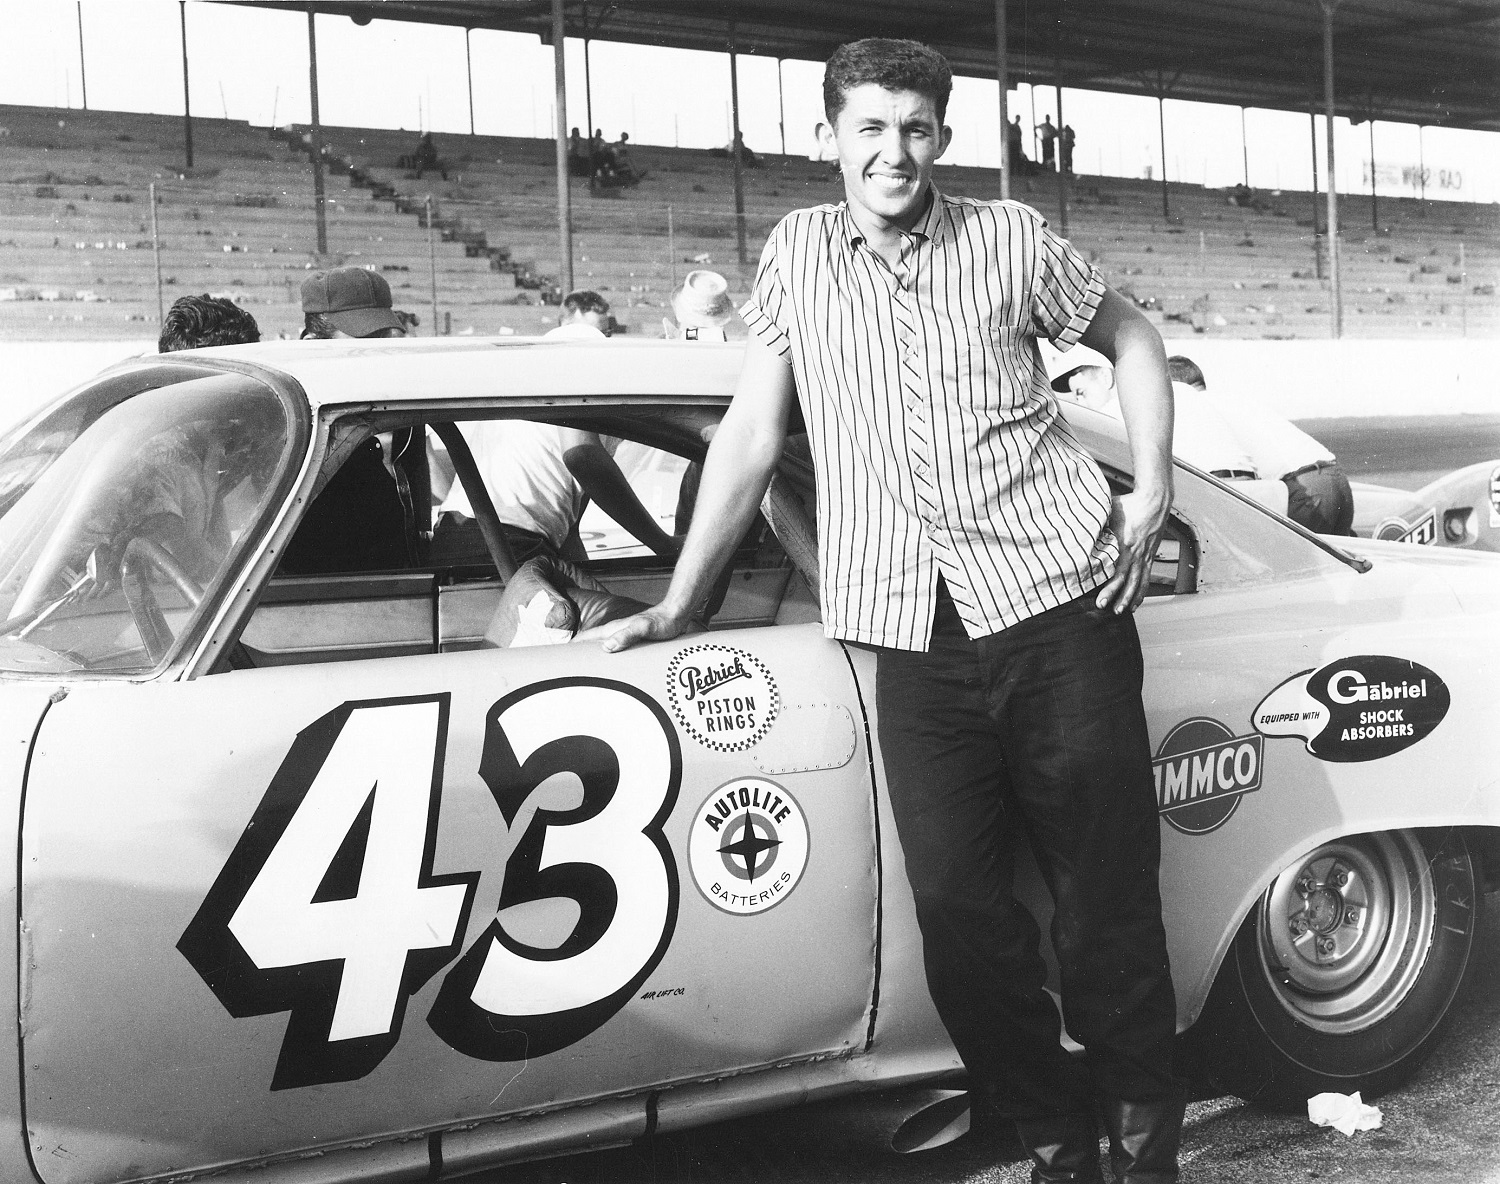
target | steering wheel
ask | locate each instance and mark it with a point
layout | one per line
(141, 556)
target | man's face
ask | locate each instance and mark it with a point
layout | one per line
(886, 142)
(1092, 385)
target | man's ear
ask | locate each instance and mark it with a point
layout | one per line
(945, 137)
(827, 140)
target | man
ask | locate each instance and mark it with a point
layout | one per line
(966, 536)
(1200, 434)
(348, 302)
(701, 308)
(1317, 492)
(1049, 139)
(541, 476)
(365, 518)
(584, 314)
(1065, 138)
(197, 321)
(1019, 164)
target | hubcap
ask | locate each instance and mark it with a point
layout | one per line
(1345, 932)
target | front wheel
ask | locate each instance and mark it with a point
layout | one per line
(1341, 975)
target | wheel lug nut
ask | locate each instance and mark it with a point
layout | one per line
(1299, 926)
(1340, 878)
(1351, 916)
(1305, 885)
(1325, 945)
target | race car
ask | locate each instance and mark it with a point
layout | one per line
(319, 874)
(1461, 509)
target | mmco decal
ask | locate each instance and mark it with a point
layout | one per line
(1360, 708)
(1202, 769)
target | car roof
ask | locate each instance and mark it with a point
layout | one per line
(415, 369)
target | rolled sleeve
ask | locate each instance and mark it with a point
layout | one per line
(1066, 290)
(765, 312)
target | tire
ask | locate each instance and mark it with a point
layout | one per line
(1340, 977)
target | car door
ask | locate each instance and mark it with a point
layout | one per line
(278, 910)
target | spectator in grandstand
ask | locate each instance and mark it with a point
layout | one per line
(700, 308)
(1201, 435)
(1318, 493)
(1049, 140)
(598, 150)
(747, 158)
(1065, 139)
(969, 540)
(425, 158)
(348, 302)
(585, 313)
(580, 162)
(196, 321)
(365, 518)
(1020, 164)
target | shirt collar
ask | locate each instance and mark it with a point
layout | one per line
(928, 227)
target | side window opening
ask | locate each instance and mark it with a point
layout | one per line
(1174, 567)
(375, 587)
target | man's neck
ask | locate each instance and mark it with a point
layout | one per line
(885, 237)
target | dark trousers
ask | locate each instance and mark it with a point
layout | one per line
(1034, 734)
(1319, 498)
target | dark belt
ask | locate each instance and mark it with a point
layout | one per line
(1312, 468)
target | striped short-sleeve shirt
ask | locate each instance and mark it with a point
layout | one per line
(938, 444)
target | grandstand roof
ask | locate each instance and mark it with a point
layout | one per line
(1415, 61)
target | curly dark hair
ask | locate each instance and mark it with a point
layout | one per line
(195, 321)
(895, 65)
(584, 300)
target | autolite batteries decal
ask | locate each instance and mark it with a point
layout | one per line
(1360, 708)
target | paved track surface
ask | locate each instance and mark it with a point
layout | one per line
(1407, 451)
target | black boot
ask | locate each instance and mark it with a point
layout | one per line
(1065, 1149)
(1143, 1139)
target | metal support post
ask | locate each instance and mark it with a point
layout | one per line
(781, 106)
(564, 192)
(734, 147)
(1161, 123)
(1312, 120)
(83, 77)
(1245, 147)
(432, 262)
(1062, 172)
(156, 256)
(469, 70)
(187, 104)
(1374, 199)
(315, 147)
(1333, 204)
(1002, 75)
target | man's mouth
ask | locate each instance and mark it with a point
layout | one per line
(890, 182)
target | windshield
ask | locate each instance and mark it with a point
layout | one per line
(112, 539)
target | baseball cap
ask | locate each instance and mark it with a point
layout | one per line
(1061, 364)
(355, 301)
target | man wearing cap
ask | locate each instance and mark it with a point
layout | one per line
(1317, 492)
(968, 539)
(1200, 434)
(365, 518)
(348, 302)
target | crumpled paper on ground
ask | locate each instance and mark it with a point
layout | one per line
(1343, 1112)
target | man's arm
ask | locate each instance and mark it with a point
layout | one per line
(1131, 342)
(594, 469)
(740, 463)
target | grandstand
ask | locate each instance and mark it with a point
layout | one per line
(76, 257)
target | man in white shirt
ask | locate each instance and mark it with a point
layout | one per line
(540, 475)
(1200, 434)
(1318, 493)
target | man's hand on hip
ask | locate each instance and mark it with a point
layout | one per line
(1136, 520)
